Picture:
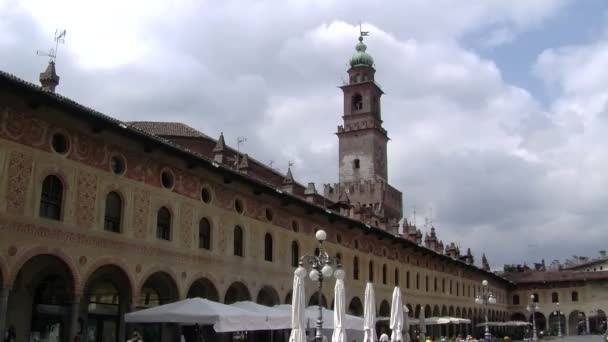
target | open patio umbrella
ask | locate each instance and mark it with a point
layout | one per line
(276, 319)
(369, 315)
(298, 314)
(396, 323)
(422, 324)
(339, 334)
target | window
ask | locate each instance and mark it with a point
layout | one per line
(117, 164)
(396, 277)
(435, 287)
(417, 281)
(457, 290)
(238, 206)
(371, 272)
(443, 285)
(163, 224)
(206, 195)
(356, 164)
(113, 215)
(204, 234)
(516, 300)
(295, 254)
(268, 247)
(269, 214)
(357, 102)
(166, 179)
(356, 268)
(554, 297)
(384, 274)
(339, 258)
(51, 198)
(450, 286)
(535, 297)
(407, 279)
(294, 226)
(426, 283)
(60, 143)
(575, 296)
(238, 241)
(356, 244)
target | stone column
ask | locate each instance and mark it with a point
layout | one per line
(74, 314)
(3, 309)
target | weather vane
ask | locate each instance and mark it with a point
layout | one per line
(289, 163)
(52, 53)
(361, 32)
(239, 142)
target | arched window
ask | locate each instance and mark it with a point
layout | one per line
(554, 297)
(268, 247)
(163, 224)
(443, 285)
(450, 286)
(238, 241)
(435, 287)
(371, 272)
(357, 102)
(204, 234)
(417, 281)
(396, 276)
(574, 296)
(407, 279)
(295, 254)
(51, 198)
(457, 289)
(356, 268)
(515, 299)
(426, 283)
(535, 297)
(384, 274)
(113, 215)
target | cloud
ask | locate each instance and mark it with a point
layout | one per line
(498, 167)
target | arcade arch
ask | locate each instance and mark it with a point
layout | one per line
(203, 288)
(237, 292)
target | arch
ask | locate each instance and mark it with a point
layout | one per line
(357, 102)
(596, 321)
(268, 250)
(40, 251)
(451, 311)
(556, 323)
(289, 297)
(237, 292)
(44, 287)
(436, 311)
(518, 316)
(112, 262)
(427, 310)
(268, 296)
(355, 307)
(540, 320)
(576, 322)
(237, 241)
(204, 288)
(458, 312)
(314, 300)
(385, 309)
(417, 311)
(112, 219)
(444, 311)
(163, 224)
(158, 288)
(51, 197)
(204, 233)
(295, 254)
(410, 311)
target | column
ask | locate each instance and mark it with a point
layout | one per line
(3, 308)
(74, 314)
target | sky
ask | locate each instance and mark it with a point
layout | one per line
(497, 110)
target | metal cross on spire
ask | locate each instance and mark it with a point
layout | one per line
(52, 53)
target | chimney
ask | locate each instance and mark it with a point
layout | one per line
(288, 182)
(220, 150)
(244, 164)
(310, 192)
(49, 79)
(603, 253)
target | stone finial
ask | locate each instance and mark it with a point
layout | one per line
(310, 192)
(220, 151)
(49, 79)
(485, 265)
(343, 197)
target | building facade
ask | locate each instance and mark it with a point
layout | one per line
(100, 217)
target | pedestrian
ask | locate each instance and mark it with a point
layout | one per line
(11, 335)
(384, 337)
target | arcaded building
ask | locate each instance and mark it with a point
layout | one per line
(100, 217)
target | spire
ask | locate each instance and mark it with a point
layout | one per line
(484, 263)
(343, 197)
(219, 151)
(288, 182)
(49, 79)
(244, 164)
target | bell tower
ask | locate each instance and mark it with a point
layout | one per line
(362, 139)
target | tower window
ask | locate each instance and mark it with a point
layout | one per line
(357, 102)
(356, 164)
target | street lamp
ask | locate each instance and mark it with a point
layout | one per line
(533, 307)
(321, 267)
(559, 321)
(484, 298)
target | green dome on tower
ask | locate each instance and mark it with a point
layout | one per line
(360, 57)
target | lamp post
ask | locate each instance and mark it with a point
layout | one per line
(559, 321)
(484, 298)
(321, 267)
(532, 307)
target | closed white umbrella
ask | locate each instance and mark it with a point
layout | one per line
(369, 315)
(422, 324)
(298, 302)
(406, 322)
(339, 334)
(396, 323)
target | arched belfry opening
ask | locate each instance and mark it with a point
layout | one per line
(357, 102)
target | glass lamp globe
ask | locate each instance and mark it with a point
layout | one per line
(492, 300)
(478, 300)
(339, 274)
(314, 275)
(532, 297)
(320, 235)
(484, 283)
(327, 271)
